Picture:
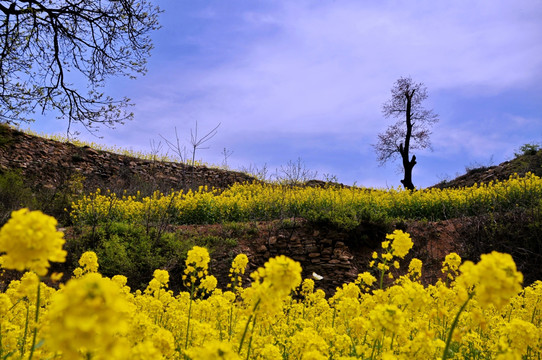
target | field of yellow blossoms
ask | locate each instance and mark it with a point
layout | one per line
(342, 206)
(479, 311)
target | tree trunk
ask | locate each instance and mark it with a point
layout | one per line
(408, 166)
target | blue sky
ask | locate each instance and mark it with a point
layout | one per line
(291, 79)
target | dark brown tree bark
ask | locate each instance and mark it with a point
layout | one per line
(410, 132)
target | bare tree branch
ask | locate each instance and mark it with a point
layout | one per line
(47, 46)
(411, 131)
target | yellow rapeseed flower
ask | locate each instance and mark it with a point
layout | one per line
(30, 240)
(415, 269)
(88, 315)
(498, 279)
(89, 262)
(401, 243)
(283, 273)
(519, 335)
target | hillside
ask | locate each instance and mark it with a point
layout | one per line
(49, 164)
(529, 161)
(57, 173)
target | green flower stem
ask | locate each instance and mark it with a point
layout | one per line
(251, 336)
(382, 272)
(246, 326)
(230, 325)
(36, 322)
(189, 315)
(25, 330)
(454, 324)
(374, 347)
(1, 347)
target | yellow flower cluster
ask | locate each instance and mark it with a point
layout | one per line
(494, 279)
(88, 263)
(482, 313)
(400, 243)
(88, 315)
(29, 240)
(344, 206)
(237, 271)
(197, 264)
(400, 246)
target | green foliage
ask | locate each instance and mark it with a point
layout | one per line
(528, 160)
(126, 249)
(528, 149)
(239, 229)
(57, 200)
(14, 194)
(6, 136)
(344, 207)
(135, 251)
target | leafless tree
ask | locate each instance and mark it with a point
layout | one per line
(412, 129)
(295, 173)
(197, 142)
(226, 153)
(260, 173)
(176, 147)
(48, 46)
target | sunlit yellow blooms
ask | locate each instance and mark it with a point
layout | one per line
(56, 277)
(162, 276)
(198, 258)
(208, 284)
(30, 240)
(387, 318)
(308, 344)
(89, 262)
(498, 279)
(307, 286)
(401, 243)
(415, 269)
(282, 273)
(238, 269)
(239, 264)
(366, 278)
(342, 206)
(450, 265)
(145, 350)
(518, 335)
(197, 263)
(494, 279)
(87, 316)
(5, 304)
(213, 350)
(269, 352)
(482, 314)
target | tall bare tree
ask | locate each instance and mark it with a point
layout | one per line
(47, 46)
(412, 129)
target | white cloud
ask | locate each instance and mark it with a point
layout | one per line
(324, 68)
(328, 67)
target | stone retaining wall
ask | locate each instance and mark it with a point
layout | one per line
(53, 162)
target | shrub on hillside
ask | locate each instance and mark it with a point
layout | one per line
(14, 194)
(135, 251)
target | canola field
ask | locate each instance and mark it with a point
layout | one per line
(345, 207)
(478, 311)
